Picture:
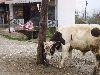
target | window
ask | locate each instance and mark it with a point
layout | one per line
(18, 11)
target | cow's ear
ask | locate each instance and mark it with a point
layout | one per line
(63, 42)
(54, 37)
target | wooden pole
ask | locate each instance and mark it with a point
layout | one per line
(42, 32)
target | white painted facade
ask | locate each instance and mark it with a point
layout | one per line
(65, 12)
(11, 11)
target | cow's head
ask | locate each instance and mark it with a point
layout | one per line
(57, 37)
(57, 42)
(95, 32)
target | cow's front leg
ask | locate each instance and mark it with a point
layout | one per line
(65, 54)
(70, 55)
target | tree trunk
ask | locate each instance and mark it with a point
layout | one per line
(41, 57)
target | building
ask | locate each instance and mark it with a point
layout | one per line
(3, 12)
(22, 11)
(66, 12)
(61, 12)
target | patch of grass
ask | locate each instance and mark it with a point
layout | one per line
(50, 32)
(21, 37)
(13, 36)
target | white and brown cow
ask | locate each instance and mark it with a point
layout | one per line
(83, 37)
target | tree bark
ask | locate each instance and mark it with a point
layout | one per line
(41, 57)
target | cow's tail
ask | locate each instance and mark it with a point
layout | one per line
(71, 37)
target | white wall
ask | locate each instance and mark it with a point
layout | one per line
(11, 11)
(66, 12)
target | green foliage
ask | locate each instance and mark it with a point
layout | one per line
(12, 37)
(78, 20)
(50, 32)
(94, 19)
(21, 37)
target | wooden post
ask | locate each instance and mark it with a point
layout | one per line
(42, 32)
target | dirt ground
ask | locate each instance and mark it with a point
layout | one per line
(19, 58)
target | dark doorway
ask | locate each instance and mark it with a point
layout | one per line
(26, 11)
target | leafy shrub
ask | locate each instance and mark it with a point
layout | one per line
(50, 31)
(17, 36)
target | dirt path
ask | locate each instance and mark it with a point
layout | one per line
(19, 58)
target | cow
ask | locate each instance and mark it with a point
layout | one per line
(83, 37)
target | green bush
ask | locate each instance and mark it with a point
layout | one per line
(50, 32)
(13, 37)
(21, 37)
